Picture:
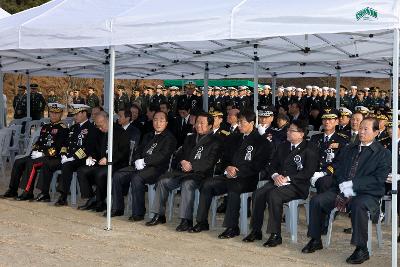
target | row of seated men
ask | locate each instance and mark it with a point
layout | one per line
(350, 175)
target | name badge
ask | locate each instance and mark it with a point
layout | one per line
(249, 149)
(198, 153)
(297, 160)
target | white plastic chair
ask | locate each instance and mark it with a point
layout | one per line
(5, 148)
(291, 210)
(3, 137)
(32, 141)
(74, 186)
(14, 148)
(369, 242)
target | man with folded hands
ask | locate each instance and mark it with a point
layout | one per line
(363, 168)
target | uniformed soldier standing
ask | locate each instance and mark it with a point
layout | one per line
(345, 101)
(77, 99)
(81, 142)
(52, 98)
(216, 101)
(19, 103)
(173, 100)
(38, 104)
(47, 148)
(329, 143)
(92, 100)
(121, 100)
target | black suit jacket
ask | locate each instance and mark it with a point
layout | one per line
(180, 131)
(156, 150)
(284, 163)
(133, 134)
(203, 155)
(373, 168)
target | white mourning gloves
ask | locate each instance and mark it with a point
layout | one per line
(36, 154)
(316, 176)
(347, 189)
(140, 164)
(90, 161)
(64, 159)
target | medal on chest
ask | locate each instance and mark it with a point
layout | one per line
(150, 150)
(330, 155)
(49, 140)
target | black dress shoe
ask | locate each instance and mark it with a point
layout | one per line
(359, 255)
(62, 201)
(347, 230)
(312, 246)
(273, 240)
(43, 197)
(25, 196)
(114, 213)
(199, 227)
(100, 207)
(90, 204)
(136, 218)
(185, 225)
(157, 219)
(230, 232)
(10, 194)
(254, 235)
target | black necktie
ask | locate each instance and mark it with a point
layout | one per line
(355, 161)
(232, 129)
(292, 147)
(326, 140)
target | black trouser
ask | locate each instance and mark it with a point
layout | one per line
(275, 197)
(322, 204)
(93, 175)
(29, 175)
(16, 173)
(46, 174)
(220, 185)
(323, 184)
(67, 169)
(120, 186)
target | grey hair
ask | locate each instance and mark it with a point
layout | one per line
(102, 114)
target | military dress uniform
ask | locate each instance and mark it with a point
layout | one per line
(155, 150)
(47, 148)
(81, 143)
(19, 105)
(38, 105)
(121, 102)
(93, 101)
(202, 151)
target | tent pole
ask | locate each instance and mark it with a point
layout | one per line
(273, 89)
(106, 93)
(337, 87)
(391, 89)
(205, 92)
(110, 87)
(395, 86)
(3, 112)
(28, 95)
(255, 100)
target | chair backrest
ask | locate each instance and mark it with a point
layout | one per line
(16, 134)
(15, 122)
(32, 141)
(44, 120)
(32, 124)
(3, 140)
(311, 133)
(69, 121)
(5, 147)
(310, 127)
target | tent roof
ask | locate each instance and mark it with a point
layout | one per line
(3, 13)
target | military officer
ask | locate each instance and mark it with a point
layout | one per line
(173, 99)
(359, 100)
(242, 162)
(52, 98)
(243, 101)
(216, 101)
(291, 168)
(38, 104)
(344, 121)
(81, 142)
(77, 99)
(345, 100)
(200, 152)
(47, 148)
(329, 144)
(265, 120)
(121, 100)
(92, 100)
(19, 103)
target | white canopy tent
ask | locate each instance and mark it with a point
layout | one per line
(3, 13)
(251, 33)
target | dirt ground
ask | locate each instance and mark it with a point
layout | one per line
(39, 234)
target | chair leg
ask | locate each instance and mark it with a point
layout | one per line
(243, 214)
(307, 208)
(73, 189)
(151, 194)
(287, 216)
(330, 226)
(171, 199)
(196, 202)
(379, 234)
(129, 200)
(293, 211)
(388, 212)
(214, 204)
(53, 183)
(369, 242)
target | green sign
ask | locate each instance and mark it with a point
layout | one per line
(367, 14)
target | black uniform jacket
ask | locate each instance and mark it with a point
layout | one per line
(51, 139)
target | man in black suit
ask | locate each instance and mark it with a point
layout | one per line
(149, 161)
(329, 143)
(291, 168)
(95, 170)
(182, 124)
(247, 154)
(363, 168)
(200, 152)
(125, 121)
(296, 113)
(355, 122)
(190, 100)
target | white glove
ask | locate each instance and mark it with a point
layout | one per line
(36, 154)
(261, 129)
(348, 192)
(64, 159)
(316, 176)
(344, 185)
(90, 161)
(140, 164)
